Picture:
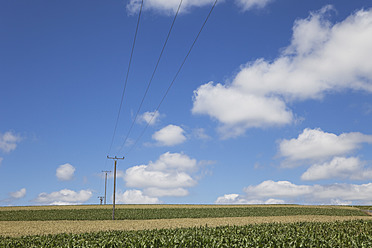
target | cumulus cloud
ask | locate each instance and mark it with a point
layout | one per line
(65, 172)
(280, 189)
(142, 176)
(317, 145)
(287, 192)
(13, 196)
(64, 197)
(170, 175)
(18, 194)
(250, 4)
(166, 192)
(237, 110)
(166, 6)
(170, 135)
(149, 117)
(339, 167)
(322, 58)
(174, 161)
(8, 141)
(237, 199)
(136, 197)
(228, 198)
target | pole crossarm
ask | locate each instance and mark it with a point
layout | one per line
(113, 201)
(115, 158)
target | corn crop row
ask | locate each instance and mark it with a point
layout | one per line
(306, 234)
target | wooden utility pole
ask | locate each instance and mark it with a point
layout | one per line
(105, 183)
(113, 201)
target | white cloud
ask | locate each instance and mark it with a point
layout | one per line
(200, 133)
(237, 199)
(339, 202)
(316, 145)
(170, 175)
(65, 172)
(8, 141)
(231, 199)
(136, 197)
(287, 192)
(343, 192)
(15, 195)
(119, 173)
(250, 4)
(328, 58)
(322, 58)
(64, 197)
(174, 161)
(18, 194)
(171, 6)
(280, 189)
(166, 6)
(274, 201)
(237, 110)
(149, 117)
(166, 192)
(170, 135)
(143, 177)
(340, 167)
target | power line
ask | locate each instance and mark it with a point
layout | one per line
(126, 78)
(174, 78)
(152, 76)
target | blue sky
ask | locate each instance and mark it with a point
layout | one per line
(273, 105)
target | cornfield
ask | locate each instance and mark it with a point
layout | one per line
(186, 226)
(303, 234)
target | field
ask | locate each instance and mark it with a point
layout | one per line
(169, 213)
(185, 226)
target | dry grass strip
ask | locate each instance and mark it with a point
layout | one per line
(369, 212)
(24, 228)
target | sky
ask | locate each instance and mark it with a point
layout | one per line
(272, 105)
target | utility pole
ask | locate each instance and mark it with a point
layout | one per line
(113, 201)
(105, 183)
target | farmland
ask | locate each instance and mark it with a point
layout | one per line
(185, 226)
(169, 213)
(301, 234)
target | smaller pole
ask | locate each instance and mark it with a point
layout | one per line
(100, 199)
(105, 183)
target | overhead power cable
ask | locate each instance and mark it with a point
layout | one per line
(126, 78)
(152, 76)
(174, 78)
